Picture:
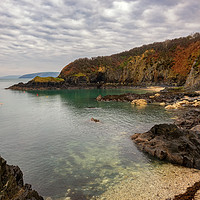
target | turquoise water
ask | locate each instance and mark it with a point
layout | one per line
(49, 134)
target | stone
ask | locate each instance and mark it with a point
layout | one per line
(169, 107)
(162, 104)
(139, 102)
(168, 142)
(94, 120)
(151, 97)
(99, 98)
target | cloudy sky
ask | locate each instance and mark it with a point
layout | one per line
(45, 35)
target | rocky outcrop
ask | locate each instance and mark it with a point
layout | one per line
(12, 185)
(162, 97)
(168, 142)
(189, 119)
(193, 79)
(40, 83)
(185, 102)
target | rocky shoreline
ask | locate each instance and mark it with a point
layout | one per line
(12, 185)
(177, 143)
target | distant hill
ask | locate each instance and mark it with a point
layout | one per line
(10, 77)
(41, 74)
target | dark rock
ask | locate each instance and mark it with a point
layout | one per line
(188, 119)
(190, 193)
(168, 142)
(12, 186)
(94, 120)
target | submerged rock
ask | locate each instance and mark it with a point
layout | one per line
(94, 120)
(168, 142)
(12, 185)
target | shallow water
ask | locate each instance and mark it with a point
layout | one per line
(49, 134)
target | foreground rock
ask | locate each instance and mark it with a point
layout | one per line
(168, 142)
(189, 119)
(12, 186)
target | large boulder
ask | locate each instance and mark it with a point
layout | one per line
(12, 185)
(168, 142)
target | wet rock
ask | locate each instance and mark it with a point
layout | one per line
(190, 193)
(94, 120)
(99, 98)
(12, 186)
(168, 142)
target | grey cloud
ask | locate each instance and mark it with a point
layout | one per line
(51, 33)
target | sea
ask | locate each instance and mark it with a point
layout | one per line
(62, 153)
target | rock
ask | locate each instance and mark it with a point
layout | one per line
(151, 97)
(188, 119)
(12, 186)
(196, 129)
(99, 98)
(94, 120)
(157, 95)
(169, 107)
(168, 142)
(139, 102)
(191, 193)
(162, 104)
(193, 79)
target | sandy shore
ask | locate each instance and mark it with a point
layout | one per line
(160, 183)
(154, 88)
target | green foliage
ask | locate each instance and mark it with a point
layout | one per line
(39, 79)
(79, 74)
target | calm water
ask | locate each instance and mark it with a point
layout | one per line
(50, 136)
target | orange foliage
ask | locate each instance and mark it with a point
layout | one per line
(185, 57)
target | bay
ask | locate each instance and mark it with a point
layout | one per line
(50, 136)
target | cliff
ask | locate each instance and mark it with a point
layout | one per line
(172, 62)
(164, 63)
(12, 185)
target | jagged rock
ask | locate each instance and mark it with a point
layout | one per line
(168, 142)
(188, 119)
(12, 186)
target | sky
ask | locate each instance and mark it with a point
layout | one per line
(46, 35)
